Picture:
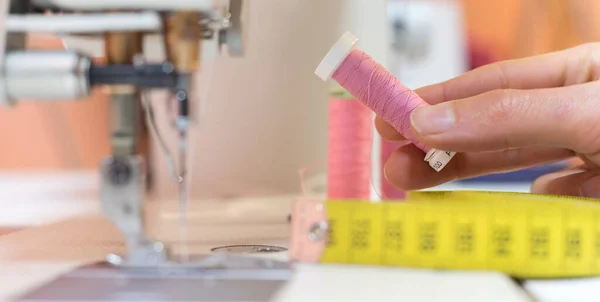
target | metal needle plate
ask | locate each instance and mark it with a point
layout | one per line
(220, 279)
(249, 249)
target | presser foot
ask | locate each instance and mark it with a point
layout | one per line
(122, 193)
(151, 254)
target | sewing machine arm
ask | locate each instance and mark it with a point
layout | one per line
(70, 75)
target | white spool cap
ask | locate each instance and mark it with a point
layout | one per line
(336, 55)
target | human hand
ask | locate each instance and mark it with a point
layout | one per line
(508, 116)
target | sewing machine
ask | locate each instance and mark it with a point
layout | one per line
(122, 25)
(181, 26)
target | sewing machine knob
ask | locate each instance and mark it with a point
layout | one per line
(119, 172)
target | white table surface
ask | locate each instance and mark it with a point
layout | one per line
(34, 198)
(348, 283)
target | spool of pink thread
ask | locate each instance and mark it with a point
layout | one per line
(378, 89)
(349, 149)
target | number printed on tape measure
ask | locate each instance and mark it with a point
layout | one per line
(366, 234)
(428, 237)
(337, 244)
(598, 244)
(540, 242)
(578, 240)
(502, 241)
(331, 233)
(393, 235)
(360, 234)
(464, 239)
(573, 244)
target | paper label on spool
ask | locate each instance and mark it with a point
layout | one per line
(438, 159)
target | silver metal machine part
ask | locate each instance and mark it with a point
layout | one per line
(94, 5)
(121, 195)
(249, 249)
(124, 124)
(223, 278)
(4, 15)
(44, 75)
(87, 24)
(14, 41)
(232, 34)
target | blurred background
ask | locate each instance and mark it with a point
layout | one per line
(282, 104)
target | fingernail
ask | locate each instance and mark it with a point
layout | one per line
(591, 187)
(432, 119)
(385, 172)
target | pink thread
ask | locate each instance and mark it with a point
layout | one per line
(349, 150)
(302, 172)
(379, 90)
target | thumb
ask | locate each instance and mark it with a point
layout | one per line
(561, 117)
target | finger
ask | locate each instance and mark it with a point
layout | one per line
(386, 131)
(570, 182)
(575, 162)
(406, 170)
(544, 184)
(566, 67)
(544, 71)
(563, 117)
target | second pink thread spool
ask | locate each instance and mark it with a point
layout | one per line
(349, 148)
(379, 90)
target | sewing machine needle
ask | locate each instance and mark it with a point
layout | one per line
(183, 195)
(183, 121)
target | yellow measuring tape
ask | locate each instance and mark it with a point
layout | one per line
(523, 235)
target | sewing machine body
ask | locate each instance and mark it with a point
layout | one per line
(180, 27)
(71, 74)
